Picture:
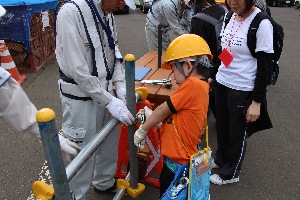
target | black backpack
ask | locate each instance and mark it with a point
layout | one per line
(217, 23)
(278, 36)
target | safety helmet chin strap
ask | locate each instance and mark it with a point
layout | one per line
(180, 67)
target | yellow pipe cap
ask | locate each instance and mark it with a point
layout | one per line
(42, 190)
(45, 115)
(143, 91)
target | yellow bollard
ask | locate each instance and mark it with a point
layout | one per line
(123, 184)
(136, 192)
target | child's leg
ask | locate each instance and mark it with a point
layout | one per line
(165, 179)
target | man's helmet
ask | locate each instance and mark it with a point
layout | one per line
(2, 11)
(186, 46)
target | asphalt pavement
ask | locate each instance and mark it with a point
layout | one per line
(271, 165)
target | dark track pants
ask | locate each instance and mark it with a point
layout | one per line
(231, 130)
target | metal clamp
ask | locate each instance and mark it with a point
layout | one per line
(140, 118)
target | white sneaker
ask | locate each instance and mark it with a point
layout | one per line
(216, 179)
(214, 165)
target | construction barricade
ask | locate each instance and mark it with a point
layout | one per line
(149, 160)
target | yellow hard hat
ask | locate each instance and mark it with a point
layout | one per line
(220, 1)
(184, 46)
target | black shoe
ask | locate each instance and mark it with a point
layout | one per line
(112, 189)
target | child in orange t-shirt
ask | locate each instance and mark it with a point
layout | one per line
(184, 113)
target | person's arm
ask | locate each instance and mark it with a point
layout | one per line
(173, 19)
(119, 73)
(16, 109)
(157, 116)
(264, 50)
(71, 48)
(186, 19)
(118, 77)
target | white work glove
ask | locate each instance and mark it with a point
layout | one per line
(140, 137)
(121, 93)
(146, 111)
(69, 149)
(120, 111)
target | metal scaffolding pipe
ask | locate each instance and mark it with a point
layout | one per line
(159, 45)
(89, 149)
(92, 146)
(131, 105)
(121, 192)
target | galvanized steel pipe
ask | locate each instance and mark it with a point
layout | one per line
(89, 149)
(121, 192)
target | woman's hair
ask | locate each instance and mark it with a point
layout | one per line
(226, 4)
(249, 4)
(200, 4)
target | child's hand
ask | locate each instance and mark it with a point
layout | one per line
(139, 137)
(146, 111)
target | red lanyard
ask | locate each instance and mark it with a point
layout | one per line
(231, 30)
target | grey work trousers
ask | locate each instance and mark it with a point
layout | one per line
(81, 121)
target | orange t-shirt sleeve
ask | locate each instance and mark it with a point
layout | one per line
(183, 96)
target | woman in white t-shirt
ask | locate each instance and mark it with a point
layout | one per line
(240, 89)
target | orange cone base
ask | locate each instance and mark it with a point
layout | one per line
(21, 79)
(15, 74)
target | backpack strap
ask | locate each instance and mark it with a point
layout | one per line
(207, 18)
(213, 21)
(251, 36)
(225, 9)
(227, 18)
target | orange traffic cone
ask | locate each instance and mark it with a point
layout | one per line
(8, 64)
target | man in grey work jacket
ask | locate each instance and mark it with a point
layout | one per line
(90, 63)
(172, 15)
